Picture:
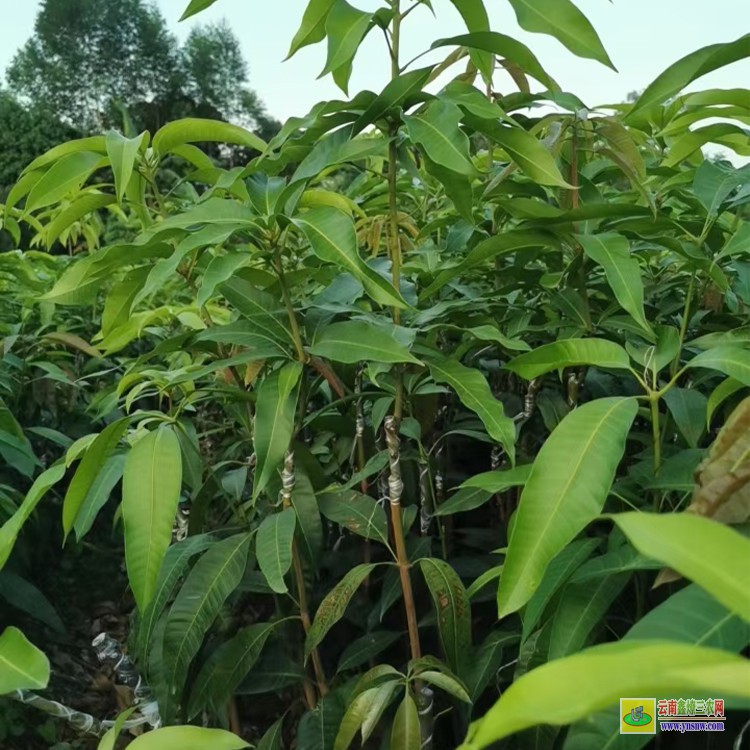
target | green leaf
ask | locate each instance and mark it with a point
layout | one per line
(222, 211)
(477, 490)
(271, 740)
(172, 569)
(570, 353)
(475, 394)
(359, 513)
(109, 740)
(364, 711)
(688, 408)
(82, 486)
(737, 244)
(449, 684)
(101, 490)
(195, 130)
(332, 608)
(612, 252)
(187, 737)
(405, 733)
(23, 595)
(475, 17)
(503, 46)
(313, 27)
(562, 20)
(333, 239)
(602, 675)
(486, 660)
(697, 548)
(261, 309)
(63, 177)
(10, 529)
(196, 6)
(122, 153)
(726, 389)
(686, 70)
(274, 421)
(317, 728)
(437, 132)
(213, 578)
(273, 547)
(220, 269)
(227, 667)
(365, 648)
(500, 244)
(80, 207)
(150, 493)
(305, 505)
(713, 184)
(733, 361)
(22, 665)
(355, 341)
(569, 482)
(453, 611)
(346, 27)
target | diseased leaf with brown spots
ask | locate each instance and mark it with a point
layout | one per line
(332, 608)
(357, 512)
(453, 611)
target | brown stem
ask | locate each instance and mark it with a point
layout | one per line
(234, 717)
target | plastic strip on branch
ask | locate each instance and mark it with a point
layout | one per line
(109, 652)
(425, 708)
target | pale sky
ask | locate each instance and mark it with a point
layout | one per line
(642, 37)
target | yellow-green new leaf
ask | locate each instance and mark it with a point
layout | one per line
(197, 130)
(333, 239)
(122, 153)
(63, 177)
(405, 733)
(562, 20)
(22, 665)
(569, 482)
(187, 738)
(570, 353)
(475, 394)
(150, 493)
(600, 676)
(731, 360)
(713, 555)
(612, 252)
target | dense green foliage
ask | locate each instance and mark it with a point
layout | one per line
(399, 423)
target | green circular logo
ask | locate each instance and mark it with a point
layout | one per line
(644, 720)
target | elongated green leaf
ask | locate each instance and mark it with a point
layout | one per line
(172, 569)
(94, 143)
(486, 661)
(354, 341)
(227, 667)
(109, 740)
(364, 712)
(333, 239)
(317, 728)
(698, 548)
(313, 26)
(503, 46)
(109, 475)
(499, 480)
(475, 17)
(188, 738)
(689, 68)
(737, 244)
(196, 6)
(560, 569)
(220, 269)
(10, 529)
(274, 547)
(569, 483)
(569, 353)
(688, 409)
(23, 595)
(475, 394)
(122, 153)
(22, 665)
(719, 395)
(448, 683)
(562, 20)
(359, 513)
(274, 421)
(453, 611)
(405, 732)
(82, 484)
(309, 525)
(195, 130)
(150, 493)
(395, 93)
(215, 576)
(79, 208)
(437, 132)
(63, 177)
(222, 211)
(271, 740)
(602, 675)
(733, 361)
(689, 616)
(500, 244)
(346, 27)
(332, 608)
(260, 308)
(365, 648)
(612, 252)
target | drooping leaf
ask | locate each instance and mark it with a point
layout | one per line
(274, 547)
(569, 482)
(122, 153)
(453, 611)
(602, 675)
(196, 130)
(569, 353)
(150, 493)
(334, 604)
(274, 421)
(227, 666)
(697, 548)
(355, 341)
(363, 712)
(187, 737)
(22, 665)
(213, 578)
(562, 20)
(475, 394)
(63, 177)
(313, 26)
(365, 648)
(405, 732)
(612, 252)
